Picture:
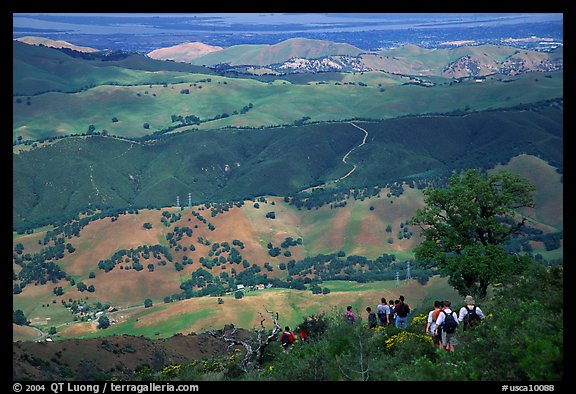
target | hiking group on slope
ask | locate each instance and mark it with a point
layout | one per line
(394, 313)
(441, 324)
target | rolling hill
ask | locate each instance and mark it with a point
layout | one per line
(103, 171)
(277, 53)
(464, 61)
(40, 69)
(184, 52)
(31, 40)
(261, 161)
(57, 94)
(306, 55)
(201, 238)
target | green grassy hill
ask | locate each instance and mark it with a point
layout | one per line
(72, 174)
(39, 69)
(218, 102)
(462, 61)
(58, 94)
(277, 53)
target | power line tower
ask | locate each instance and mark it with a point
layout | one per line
(397, 279)
(178, 201)
(189, 200)
(408, 276)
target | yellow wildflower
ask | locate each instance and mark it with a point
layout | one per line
(172, 371)
(420, 319)
(403, 336)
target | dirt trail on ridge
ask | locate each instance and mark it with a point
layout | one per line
(344, 160)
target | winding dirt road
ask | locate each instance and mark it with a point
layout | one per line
(344, 160)
(350, 151)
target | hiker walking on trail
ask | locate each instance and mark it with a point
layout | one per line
(391, 306)
(431, 324)
(349, 316)
(383, 312)
(303, 334)
(402, 310)
(448, 321)
(287, 338)
(470, 314)
(372, 320)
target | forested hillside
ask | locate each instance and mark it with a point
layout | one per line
(110, 173)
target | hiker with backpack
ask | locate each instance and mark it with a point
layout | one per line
(349, 316)
(431, 324)
(383, 312)
(402, 310)
(392, 316)
(372, 320)
(448, 322)
(470, 314)
(287, 338)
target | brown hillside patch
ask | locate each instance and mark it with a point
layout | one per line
(24, 333)
(30, 241)
(102, 238)
(77, 329)
(373, 234)
(31, 40)
(329, 234)
(130, 287)
(184, 52)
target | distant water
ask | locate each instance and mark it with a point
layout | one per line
(144, 31)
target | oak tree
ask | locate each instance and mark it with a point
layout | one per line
(466, 225)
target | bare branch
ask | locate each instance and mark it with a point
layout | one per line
(254, 351)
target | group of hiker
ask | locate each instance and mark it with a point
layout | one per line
(387, 314)
(441, 324)
(288, 337)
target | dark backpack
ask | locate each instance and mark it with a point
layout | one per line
(449, 324)
(402, 309)
(372, 319)
(471, 319)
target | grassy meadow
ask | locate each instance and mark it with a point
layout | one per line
(274, 103)
(238, 164)
(199, 314)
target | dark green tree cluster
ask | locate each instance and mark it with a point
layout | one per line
(134, 255)
(19, 318)
(217, 208)
(37, 269)
(168, 218)
(336, 266)
(336, 197)
(175, 236)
